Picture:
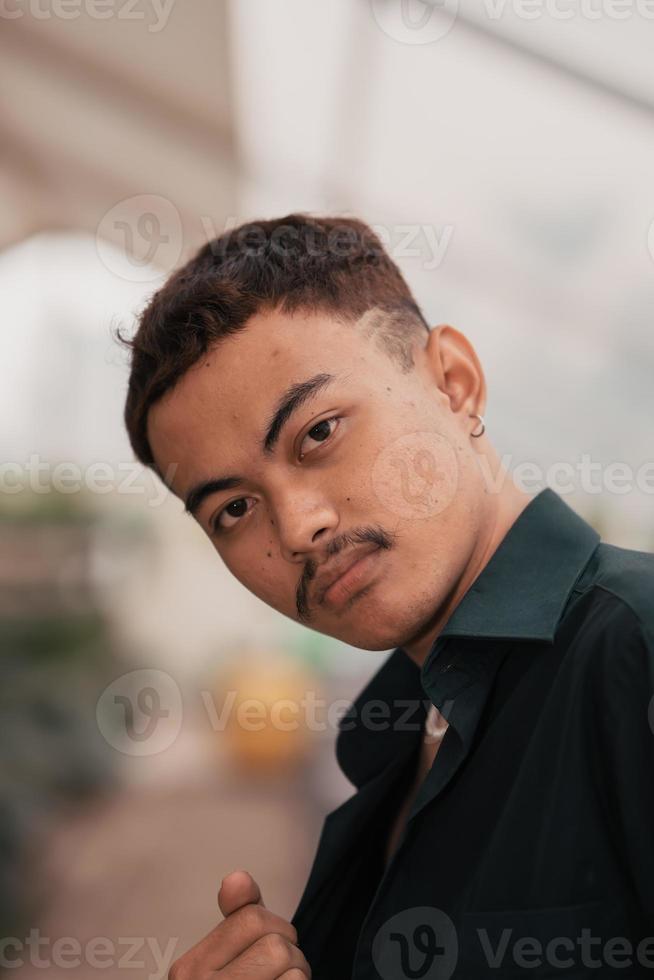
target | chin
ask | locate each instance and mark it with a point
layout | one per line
(382, 627)
(372, 635)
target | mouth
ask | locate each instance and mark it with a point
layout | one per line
(351, 581)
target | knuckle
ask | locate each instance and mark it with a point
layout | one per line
(277, 950)
(252, 919)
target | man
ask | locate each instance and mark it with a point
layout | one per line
(286, 386)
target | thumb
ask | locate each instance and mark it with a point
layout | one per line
(236, 890)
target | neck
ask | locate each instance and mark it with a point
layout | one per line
(508, 504)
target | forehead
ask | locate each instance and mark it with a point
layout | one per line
(223, 401)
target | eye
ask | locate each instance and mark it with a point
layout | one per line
(233, 509)
(322, 432)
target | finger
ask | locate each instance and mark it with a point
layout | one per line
(238, 889)
(237, 933)
(268, 959)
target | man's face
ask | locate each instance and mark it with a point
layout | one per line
(388, 470)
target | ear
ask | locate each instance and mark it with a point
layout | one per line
(457, 371)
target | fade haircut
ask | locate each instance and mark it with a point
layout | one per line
(334, 265)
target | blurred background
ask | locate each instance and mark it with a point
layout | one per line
(504, 152)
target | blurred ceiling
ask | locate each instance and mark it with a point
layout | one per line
(97, 111)
(585, 40)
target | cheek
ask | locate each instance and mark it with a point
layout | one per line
(268, 578)
(415, 477)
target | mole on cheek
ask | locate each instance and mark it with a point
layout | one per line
(269, 553)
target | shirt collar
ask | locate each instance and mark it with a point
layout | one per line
(523, 589)
(520, 594)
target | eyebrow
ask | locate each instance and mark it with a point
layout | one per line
(289, 402)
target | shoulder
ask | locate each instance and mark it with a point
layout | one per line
(615, 593)
(627, 576)
(613, 615)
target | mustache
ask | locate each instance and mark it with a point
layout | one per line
(365, 535)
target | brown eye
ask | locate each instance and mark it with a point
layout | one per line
(233, 509)
(320, 432)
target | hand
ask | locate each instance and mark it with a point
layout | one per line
(250, 943)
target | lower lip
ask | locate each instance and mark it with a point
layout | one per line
(345, 587)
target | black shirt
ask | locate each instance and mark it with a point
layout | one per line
(529, 848)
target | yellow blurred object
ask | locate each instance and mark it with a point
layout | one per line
(267, 725)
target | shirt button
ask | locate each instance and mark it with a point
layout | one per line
(446, 668)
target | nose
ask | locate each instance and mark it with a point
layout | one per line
(304, 527)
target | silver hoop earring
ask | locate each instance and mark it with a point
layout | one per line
(475, 435)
